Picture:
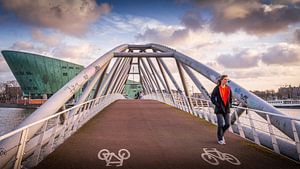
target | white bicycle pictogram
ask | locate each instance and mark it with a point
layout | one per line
(212, 156)
(112, 158)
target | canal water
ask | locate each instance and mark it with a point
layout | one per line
(11, 117)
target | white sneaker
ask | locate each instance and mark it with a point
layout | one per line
(221, 142)
(223, 139)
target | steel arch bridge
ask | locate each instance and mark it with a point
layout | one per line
(109, 76)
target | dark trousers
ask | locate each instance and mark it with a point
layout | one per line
(223, 124)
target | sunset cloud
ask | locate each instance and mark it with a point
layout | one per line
(22, 45)
(164, 36)
(297, 36)
(71, 17)
(3, 65)
(47, 39)
(192, 20)
(29, 47)
(243, 59)
(80, 54)
(253, 17)
(282, 54)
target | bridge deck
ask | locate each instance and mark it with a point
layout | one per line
(157, 137)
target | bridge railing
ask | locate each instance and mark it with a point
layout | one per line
(56, 129)
(248, 125)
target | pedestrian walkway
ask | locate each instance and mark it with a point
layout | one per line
(146, 134)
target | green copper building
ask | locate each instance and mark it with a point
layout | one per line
(39, 75)
(132, 88)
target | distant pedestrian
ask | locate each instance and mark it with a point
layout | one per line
(141, 95)
(221, 97)
(137, 95)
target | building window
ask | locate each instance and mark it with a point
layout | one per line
(64, 67)
(28, 73)
(34, 88)
(65, 74)
(77, 67)
(30, 80)
(21, 73)
(71, 67)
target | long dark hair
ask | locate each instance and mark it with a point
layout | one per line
(221, 78)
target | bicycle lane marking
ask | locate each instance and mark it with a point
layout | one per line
(111, 158)
(212, 156)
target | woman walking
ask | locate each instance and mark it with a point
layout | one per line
(221, 97)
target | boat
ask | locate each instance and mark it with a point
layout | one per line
(289, 103)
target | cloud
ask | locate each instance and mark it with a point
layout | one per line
(208, 44)
(243, 59)
(297, 36)
(263, 72)
(71, 17)
(192, 20)
(254, 17)
(126, 23)
(282, 54)
(47, 39)
(22, 45)
(5, 72)
(3, 65)
(164, 36)
(245, 74)
(81, 54)
(29, 47)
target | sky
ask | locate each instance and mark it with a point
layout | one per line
(255, 42)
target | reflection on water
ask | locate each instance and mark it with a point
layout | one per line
(11, 117)
(291, 112)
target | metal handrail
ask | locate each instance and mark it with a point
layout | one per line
(44, 119)
(72, 122)
(255, 110)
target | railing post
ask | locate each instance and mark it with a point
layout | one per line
(204, 115)
(37, 152)
(65, 126)
(241, 131)
(211, 115)
(296, 138)
(175, 101)
(186, 107)
(81, 118)
(255, 135)
(84, 116)
(70, 122)
(192, 106)
(197, 105)
(180, 101)
(21, 149)
(80, 115)
(50, 144)
(274, 141)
